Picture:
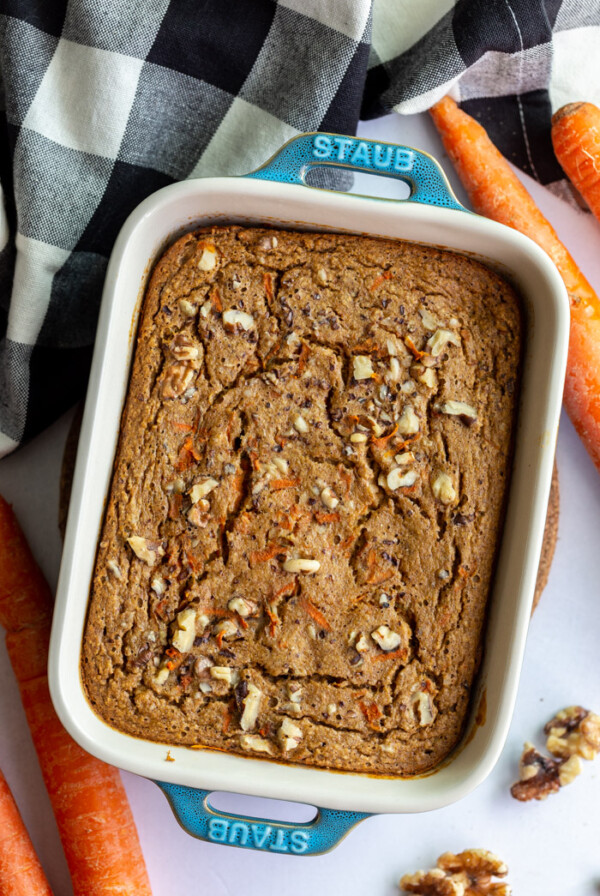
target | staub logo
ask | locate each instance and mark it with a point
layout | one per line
(257, 836)
(363, 153)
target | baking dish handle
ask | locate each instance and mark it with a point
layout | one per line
(428, 183)
(196, 816)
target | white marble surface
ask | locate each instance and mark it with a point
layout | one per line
(551, 847)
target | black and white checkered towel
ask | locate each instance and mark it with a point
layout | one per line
(104, 101)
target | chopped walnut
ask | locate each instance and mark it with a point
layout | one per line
(408, 424)
(422, 703)
(538, 776)
(573, 731)
(178, 379)
(362, 367)
(187, 308)
(469, 873)
(429, 321)
(460, 409)
(251, 704)
(114, 567)
(242, 606)
(197, 514)
(233, 318)
(226, 629)
(443, 489)
(386, 638)
(301, 564)
(399, 478)
(224, 673)
(208, 259)
(440, 339)
(289, 735)
(146, 550)
(395, 370)
(183, 638)
(299, 423)
(329, 499)
(256, 743)
(184, 348)
(201, 489)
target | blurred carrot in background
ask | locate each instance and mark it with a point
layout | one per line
(576, 142)
(20, 871)
(495, 191)
(94, 818)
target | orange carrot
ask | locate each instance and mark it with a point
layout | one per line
(386, 275)
(303, 358)
(381, 440)
(576, 142)
(21, 873)
(372, 713)
(269, 552)
(215, 299)
(315, 613)
(268, 284)
(415, 352)
(495, 191)
(323, 518)
(94, 818)
(283, 483)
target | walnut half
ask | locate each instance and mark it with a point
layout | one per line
(539, 775)
(469, 873)
(573, 731)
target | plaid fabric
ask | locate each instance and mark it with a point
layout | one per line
(103, 102)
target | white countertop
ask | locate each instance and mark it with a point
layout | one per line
(551, 847)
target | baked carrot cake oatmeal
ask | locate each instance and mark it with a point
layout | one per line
(307, 500)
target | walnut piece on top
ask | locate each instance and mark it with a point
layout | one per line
(468, 873)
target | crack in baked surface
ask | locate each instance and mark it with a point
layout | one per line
(307, 499)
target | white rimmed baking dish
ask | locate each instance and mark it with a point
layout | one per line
(277, 195)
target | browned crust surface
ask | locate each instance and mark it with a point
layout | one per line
(301, 448)
(550, 537)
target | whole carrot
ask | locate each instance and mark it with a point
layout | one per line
(576, 142)
(495, 191)
(88, 798)
(20, 871)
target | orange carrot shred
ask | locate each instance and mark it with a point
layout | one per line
(273, 617)
(323, 518)
(286, 590)
(267, 554)
(415, 352)
(268, 284)
(386, 275)
(399, 654)
(277, 484)
(316, 614)
(215, 299)
(303, 358)
(380, 441)
(175, 502)
(495, 191)
(183, 427)
(371, 713)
